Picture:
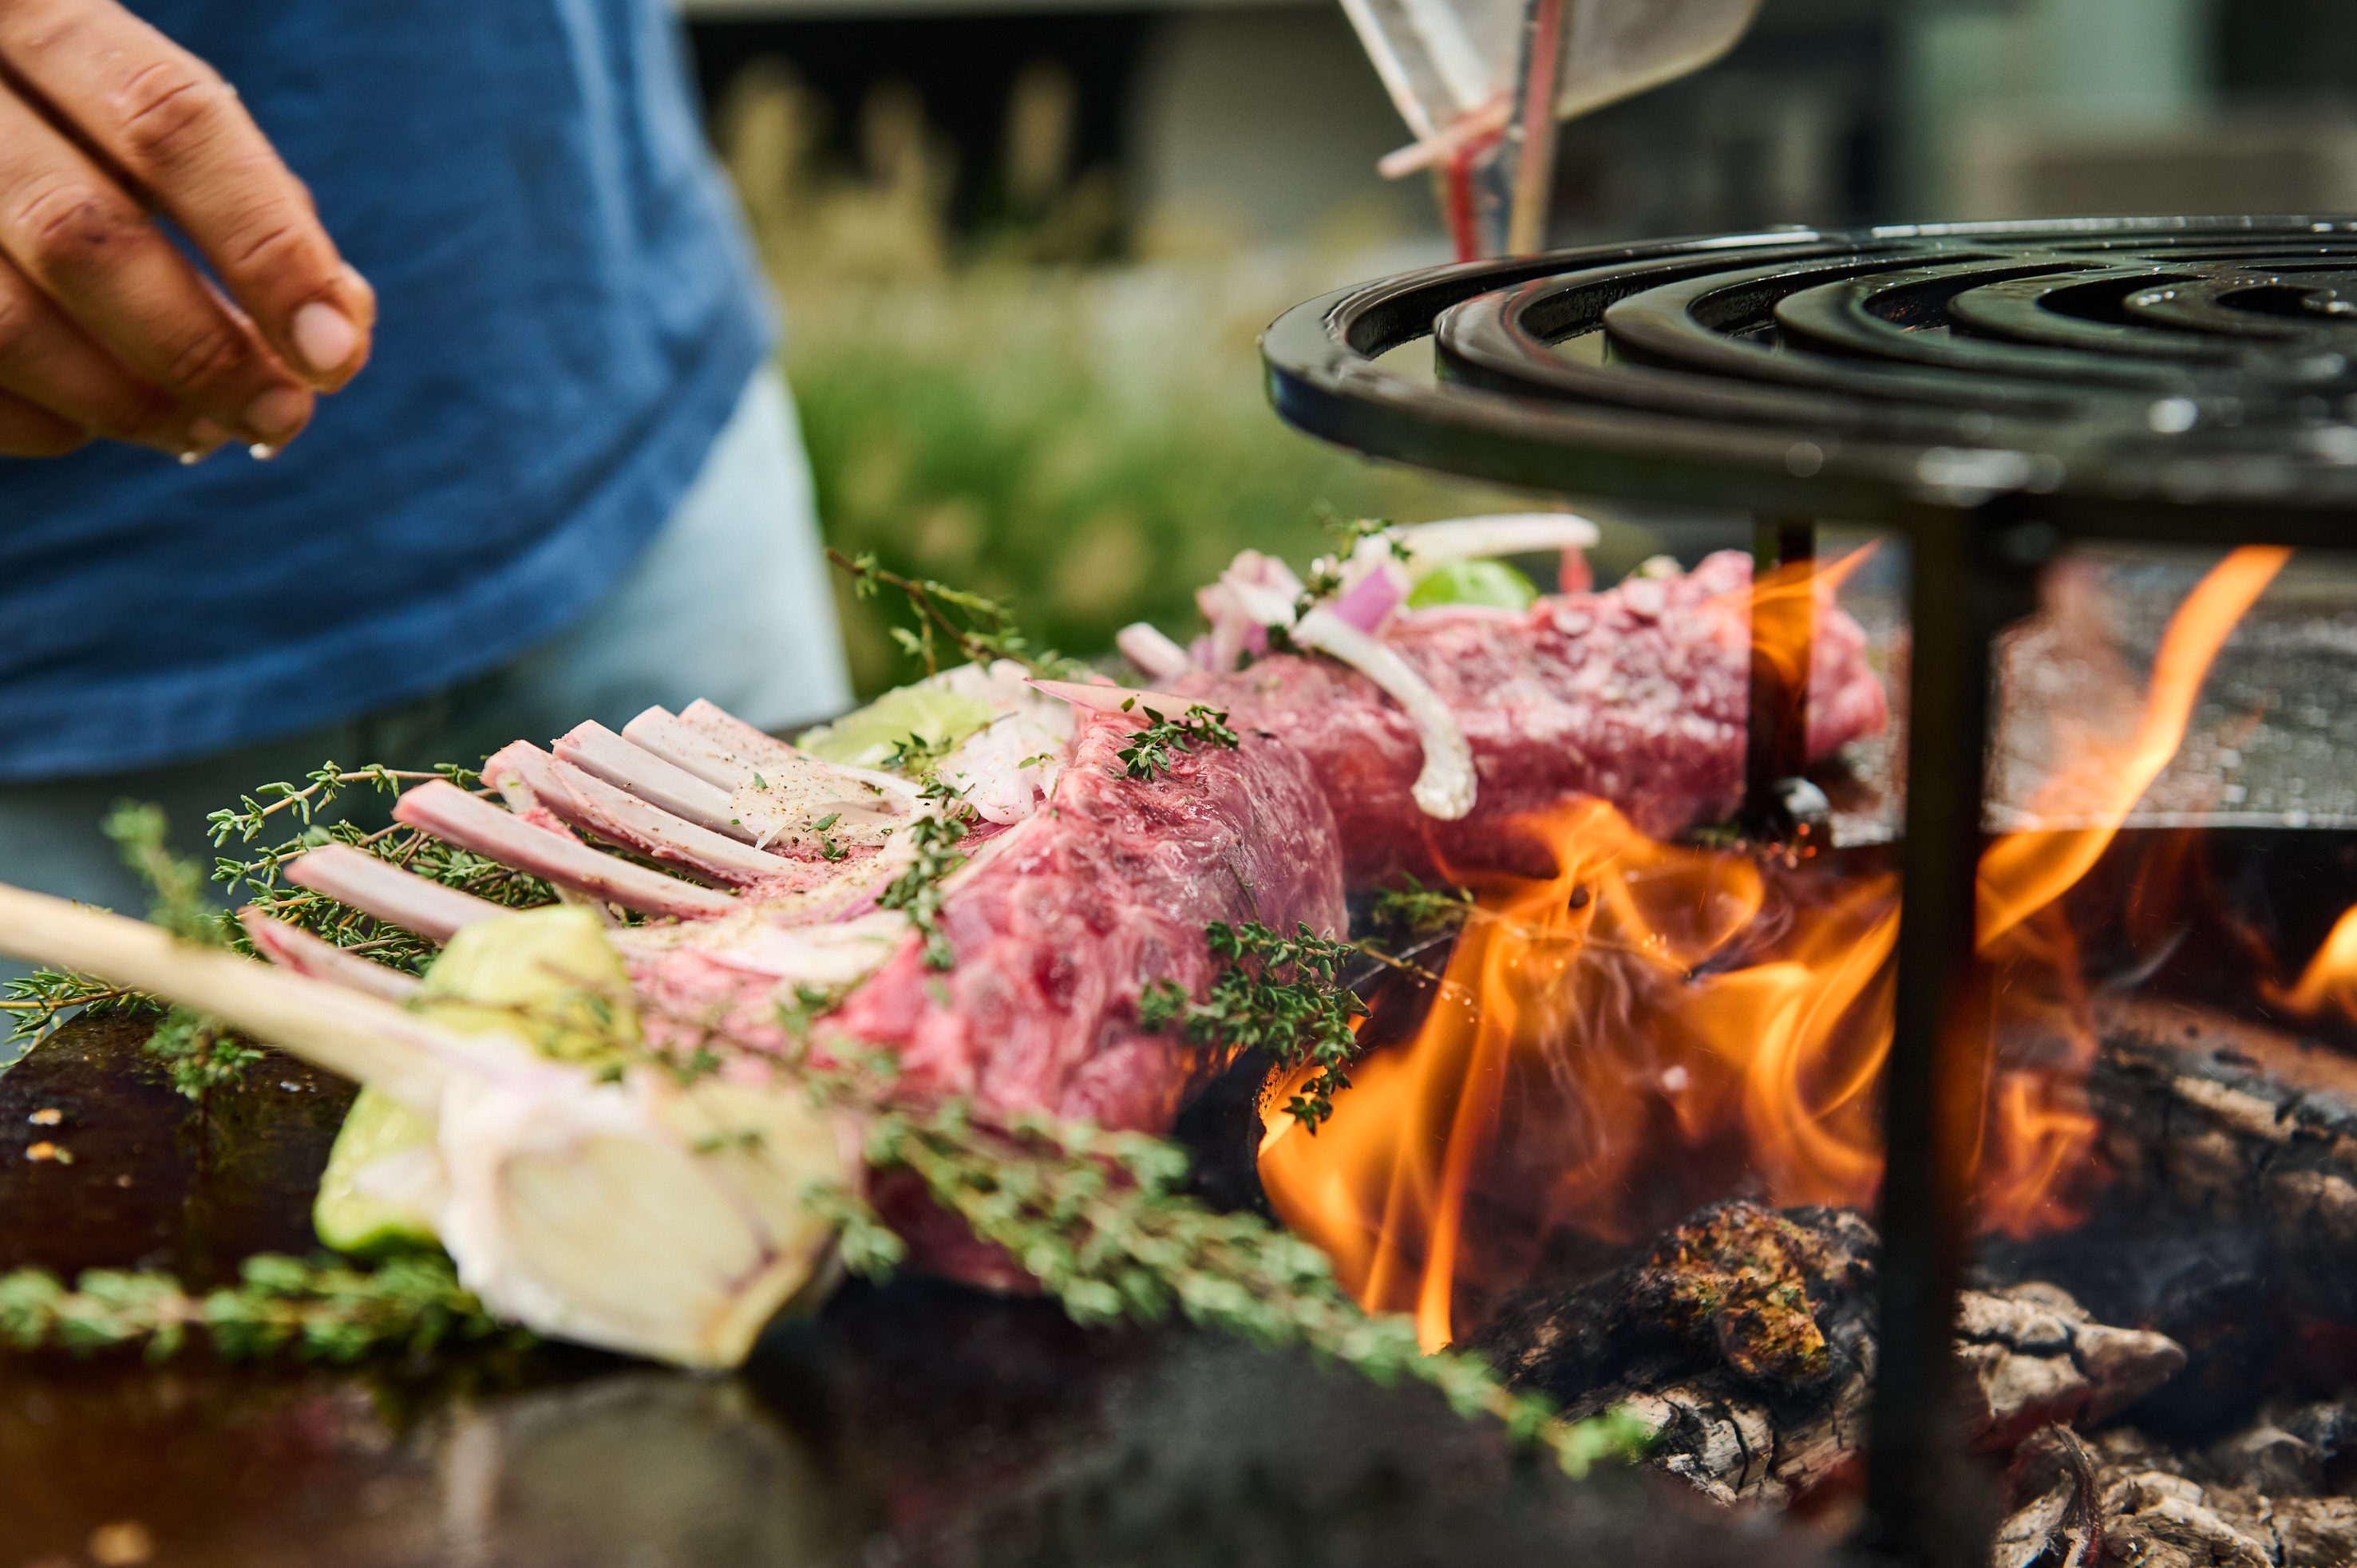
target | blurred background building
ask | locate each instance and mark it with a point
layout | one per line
(1025, 254)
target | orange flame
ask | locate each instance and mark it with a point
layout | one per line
(2330, 978)
(1655, 1025)
(2023, 873)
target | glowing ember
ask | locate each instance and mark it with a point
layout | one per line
(1655, 1025)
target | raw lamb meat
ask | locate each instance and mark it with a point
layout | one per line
(1638, 694)
(1057, 923)
(1063, 919)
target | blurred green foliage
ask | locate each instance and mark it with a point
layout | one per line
(1020, 454)
(1089, 441)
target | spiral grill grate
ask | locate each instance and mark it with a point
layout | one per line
(2125, 369)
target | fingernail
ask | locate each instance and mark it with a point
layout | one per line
(201, 439)
(262, 451)
(324, 338)
(278, 412)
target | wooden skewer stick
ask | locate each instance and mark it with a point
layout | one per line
(359, 1037)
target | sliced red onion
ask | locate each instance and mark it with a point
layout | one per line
(1006, 768)
(1144, 644)
(1369, 601)
(1446, 787)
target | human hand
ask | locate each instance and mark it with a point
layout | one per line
(106, 329)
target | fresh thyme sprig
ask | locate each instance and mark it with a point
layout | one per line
(1097, 1219)
(1324, 579)
(196, 1048)
(988, 631)
(139, 831)
(257, 876)
(914, 757)
(917, 892)
(324, 1311)
(327, 784)
(35, 1003)
(811, 1003)
(199, 1052)
(1149, 749)
(1417, 909)
(1279, 994)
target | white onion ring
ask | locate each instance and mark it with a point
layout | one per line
(1510, 534)
(1447, 786)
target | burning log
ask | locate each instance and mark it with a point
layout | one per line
(1745, 1339)
(2237, 1125)
(2229, 1214)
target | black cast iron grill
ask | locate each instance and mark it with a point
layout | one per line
(1992, 393)
(2119, 370)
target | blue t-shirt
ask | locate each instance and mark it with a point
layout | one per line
(567, 315)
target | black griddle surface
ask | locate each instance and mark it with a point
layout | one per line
(914, 1423)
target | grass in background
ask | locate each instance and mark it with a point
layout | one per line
(1089, 441)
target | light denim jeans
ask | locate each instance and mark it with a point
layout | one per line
(731, 603)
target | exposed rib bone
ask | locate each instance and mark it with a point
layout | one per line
(726, 730)
(519, 785)
(450, 813)
(725, 751)
(1144, 644)
(661, 731)
(594, 749)
(590, 803)
(292, 947)
(386, 892)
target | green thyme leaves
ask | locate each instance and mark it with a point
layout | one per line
(1279, 994)
(980, 629)
(1416, 908)
(1149, 751)
(917, 892)
(325, 1311)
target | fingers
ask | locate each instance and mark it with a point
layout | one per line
(49, 362)
(29, 432)
(177, 130)
(75, 235)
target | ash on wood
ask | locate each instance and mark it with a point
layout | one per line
(1745, 1339)
(2053, 1505)
(2255, 1500)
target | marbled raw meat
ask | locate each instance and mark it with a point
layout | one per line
(1638, 694)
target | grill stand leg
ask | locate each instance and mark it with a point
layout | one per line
(1778, 805)
(1971, 573)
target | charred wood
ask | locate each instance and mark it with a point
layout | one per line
(2053, 1505)
(2228, 1216)
(1745, 1339)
